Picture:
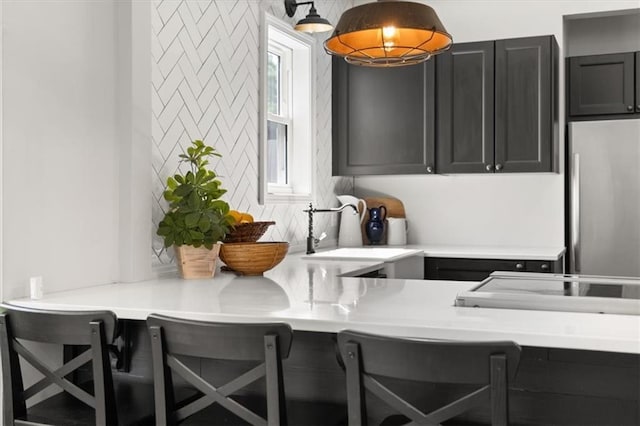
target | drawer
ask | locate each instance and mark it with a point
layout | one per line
(455, 269)
(468, 269)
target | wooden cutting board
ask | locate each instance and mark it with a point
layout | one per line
(394, 207)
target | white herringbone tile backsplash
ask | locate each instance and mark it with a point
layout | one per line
(205, 86)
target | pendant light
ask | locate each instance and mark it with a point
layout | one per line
(388, 33)
(313, 23)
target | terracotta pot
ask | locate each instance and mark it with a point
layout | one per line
(195, 263)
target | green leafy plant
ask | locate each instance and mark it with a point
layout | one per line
(196, 216)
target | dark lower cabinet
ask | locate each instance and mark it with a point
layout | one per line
(552, 386)
(454, 269)
(465, 81)
(383, 119)
(604, 84)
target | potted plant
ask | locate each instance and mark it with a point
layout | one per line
(197, 220)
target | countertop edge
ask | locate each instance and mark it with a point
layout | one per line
(485, 252)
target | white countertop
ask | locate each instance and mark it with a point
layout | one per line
(310, 295)
(490, 252)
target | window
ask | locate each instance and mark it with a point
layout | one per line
(287, 114)
(278, 116)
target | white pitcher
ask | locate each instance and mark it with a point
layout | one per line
(397, 231)
(350, 234)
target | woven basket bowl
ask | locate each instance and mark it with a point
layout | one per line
(253, 258)
(247, 232)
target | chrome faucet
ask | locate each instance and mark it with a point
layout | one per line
(311, 241)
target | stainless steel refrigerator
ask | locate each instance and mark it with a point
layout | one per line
(604, 194)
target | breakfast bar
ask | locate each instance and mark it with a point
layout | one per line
(590, 361)
(315, 296)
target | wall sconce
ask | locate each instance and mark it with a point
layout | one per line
(388, 33)
(313, 23)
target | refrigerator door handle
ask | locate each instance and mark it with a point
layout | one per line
(575, 213)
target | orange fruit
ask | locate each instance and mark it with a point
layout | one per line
(246, 218)
(236, 215)
(240, 217)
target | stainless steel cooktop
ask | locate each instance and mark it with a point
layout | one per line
(567, 293)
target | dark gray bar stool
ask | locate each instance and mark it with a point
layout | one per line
(76, 405)
(490, 365)
(265, 344)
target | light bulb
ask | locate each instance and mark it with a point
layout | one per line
(388, 36)
(389, 32)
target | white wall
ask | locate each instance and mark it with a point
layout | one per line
(605, 34)
(205, 86)
(488, 210)
(60, 143)
(75, 145)
(134, 138)
(513, 210)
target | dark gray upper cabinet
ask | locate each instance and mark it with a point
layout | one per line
(464, 78)
(497, 111)
(383, 119)
(498, 106)
(526, 105)
(602, 84)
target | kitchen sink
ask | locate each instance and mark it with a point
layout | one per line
(364, 253)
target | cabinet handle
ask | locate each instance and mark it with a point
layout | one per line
(498, 167)
(544, 267)
(629, 108)
(519, 266)
(638, 107)
(489, 167)
(429, 169)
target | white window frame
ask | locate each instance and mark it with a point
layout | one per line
(285, 116)
(300, 102)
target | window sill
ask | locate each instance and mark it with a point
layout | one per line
(283, 198)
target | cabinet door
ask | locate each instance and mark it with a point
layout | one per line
(601, 84)
(525, 104)
(383, 119)
(465, 109)
(637, 81)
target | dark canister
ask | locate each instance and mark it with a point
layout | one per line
(375, 225)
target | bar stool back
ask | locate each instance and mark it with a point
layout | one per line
(94, 329)
(487, 364)
(268, 344)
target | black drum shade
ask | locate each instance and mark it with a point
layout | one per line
(388, 33)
